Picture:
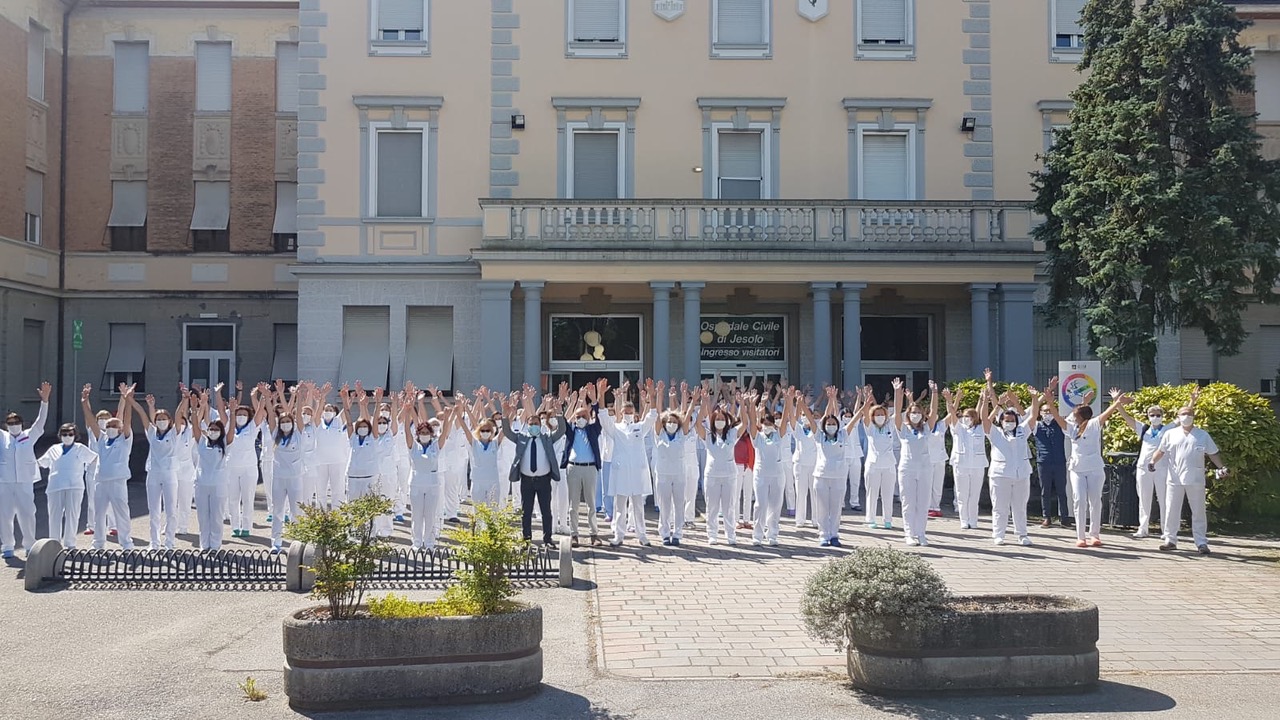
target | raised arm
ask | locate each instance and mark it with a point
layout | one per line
(933, 404)
(897, 403)
(90, 420)
(37, 428)
(230, 434)
(1118, 401)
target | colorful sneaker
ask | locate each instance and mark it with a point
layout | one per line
(825, 543)
(88, 531)
(888, 525)
(270, 517)
(399, 518)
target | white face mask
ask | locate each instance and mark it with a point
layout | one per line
(580, 422)
(382, 427)
(68, 440)
(672, 428)
(15, 429)
(878, 420)
(768, 430)
(286, 428)
(102, 424)
(162, 425)
(1009, 426)
(363, 432)
(628, 418)
(329, 415)
(966, 422)
(1046, 416)
(832, 429)
(721, 424)
(426, 439)
(915, 418)
(1155, 420)
(113, 433)
(241, 420)
(552, 424)
(485, 434)
(214, 435)
(1186, 420)
(306, 418)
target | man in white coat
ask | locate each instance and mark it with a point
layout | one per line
(1186, 447)
(18, 475)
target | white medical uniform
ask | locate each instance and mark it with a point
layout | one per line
(830, 477)
(1010, 480)
(630, 478)
(669, 452)
(211, 492)
(162, 484)
(1186, 451)
(773, 455)
(881, 472)
(19, 473)
(915, 481)
(968, 467)
(1086, 472)
(65, 490)
(718, 486)
(112, 489)
(1151, 483)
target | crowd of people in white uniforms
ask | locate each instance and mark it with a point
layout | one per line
(768, 453)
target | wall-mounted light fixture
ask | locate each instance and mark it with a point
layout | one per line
(517, 122)
(697, 169)
(969, 123)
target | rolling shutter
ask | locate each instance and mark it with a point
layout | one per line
(740, 165)
(597, 21)
(885, 171)
(131, 77)
(400, 15)
(128, 353)
(287, 77)
(884, 21)
(1269, 354)
(428, 356)
(213, 76)
(1266, 70)
(128, 204)
(366, 346)
(37, 38)
(595, 165)
(1197, 356)
(399, 174)
(740, 22)
(284, 364)
(1067, 18)
(34, 193)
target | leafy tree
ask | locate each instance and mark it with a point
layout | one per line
(347, 549)
(1160, 213)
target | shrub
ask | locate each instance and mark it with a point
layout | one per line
(971, 387)
(1242, 424)
(394, 606)
(488, 547)
(867, 584)
(346, 549)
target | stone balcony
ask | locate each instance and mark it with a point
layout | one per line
(825, 226)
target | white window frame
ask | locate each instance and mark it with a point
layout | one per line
(886, 51)
(753, 52)
(32, 222)
(591, 48)
(379, 46)
(375, 128)
(563, 366)
(213, 356)
(231, 64)
(1071, 54)
(31, 228)
(766, 156)
(1273, 103)
(609, 128)
(34, 28)
(907, 129)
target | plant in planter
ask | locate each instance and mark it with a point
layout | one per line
(903, 630)
(473, 644)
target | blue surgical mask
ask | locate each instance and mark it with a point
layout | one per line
(535, 430)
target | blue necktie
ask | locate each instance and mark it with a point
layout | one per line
(533, 455)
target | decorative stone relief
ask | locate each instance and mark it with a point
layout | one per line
(668, 9)
(129, 148)
(212, 147)
(37, 136)
(813, 10)
(287, 149)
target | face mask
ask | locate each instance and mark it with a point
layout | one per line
(306, 418)
(15, 429)
(832, 429)
(385, 416)
(485, 434)
(426, 439)
(214, 435)
(363, 432)
(329, 415)
(1155, 420)
(1186, 420)
(286, 428)
(878, 420)
(768, 430)
(102, 424)
(628, 418)
(580, 422)
(721, 424)
(966, 422)
(915, 418)
(68, 440)
(553, 423)
(162, 425)
(241, 420)
(382, 427)
(672, 428)
(804, 422)
(1009, 426)
(1046, 416)
(535, 430)
(113, 433)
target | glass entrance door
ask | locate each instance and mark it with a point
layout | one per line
(209, 356)
(744, 377)
(897, 347)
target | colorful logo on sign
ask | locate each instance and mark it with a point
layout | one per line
(1076, 386)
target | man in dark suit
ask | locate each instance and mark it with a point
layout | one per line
(581, 459)
(535, 465)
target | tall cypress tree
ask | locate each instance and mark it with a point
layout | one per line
(1160, 212)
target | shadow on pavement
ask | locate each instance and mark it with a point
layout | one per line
(1109, 697)
(549, 703)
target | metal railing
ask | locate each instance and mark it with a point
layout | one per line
(759, 223)
(406, 566)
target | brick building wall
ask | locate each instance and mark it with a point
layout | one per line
(170, 188)
(13, 117)
(253, 131)
(88, 152)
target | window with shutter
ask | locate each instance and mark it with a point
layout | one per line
(131, 76)
(740, 28)
(428, 357)
(284, 362)
(595, 166)
(287, 77)
(399, 176)
(1266, 71)
(34, 208)
(126, 355)
(883, 22)
(284, 231)
(1067, 34)
(886, 167)
(740, 165)
(596, 21)
(1197, 356)
(401, 20)
(37, 42)
(366, 345)
(213, 77)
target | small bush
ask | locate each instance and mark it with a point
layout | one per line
(347, 549)
(487, 547)
(398, 606)
(251, 691)
(869, 583)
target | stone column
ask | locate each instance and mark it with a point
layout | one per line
(495, 334)
(822, 334)
(852, 375)
(662, 329)
(533, 331)
(980, 334)
(1017, 333)
(692, 328)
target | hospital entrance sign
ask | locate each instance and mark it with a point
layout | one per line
(739, 338)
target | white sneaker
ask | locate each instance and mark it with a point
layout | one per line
(772, 543)
(924, 542)
(999, 541)
(1026, 541)
(755, 542)
(1140, 535)
(912, 542)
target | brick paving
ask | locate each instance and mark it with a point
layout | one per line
(702, 611)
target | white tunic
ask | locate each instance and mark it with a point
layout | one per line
(425, 465)
(213, 465)
(1150, 439)
(669, 452)
(113, 457)
(485, 461)
(880, 441)
(67, 466)
(241, 454)
(1010, 453)
(968, 447)
(915, 447)
(806, 451)
(771, 451)
(720, 455)
(1086, 446)
(832, 463)
(363, 462)
(1186, 451)
(163, 453)
(286, 456)
(630, 473)
(331, 443)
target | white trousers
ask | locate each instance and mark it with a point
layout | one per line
(1087, 487)
(937, 477)
(1151, 485)
(209, 502)
(880, 481)
(744, 492)
(243, 485)
(1172, 522)
(284, 501)
(162, 509)
(482, 491)
(17, 501)
(828, 497)
(64, 515)
(185, 495)
(581, 482)
(1009, 495)
(403, 470)
(691, 476)
(454, 481)
(669, 494)
(331, 484)
(357, 487)
(804, 489)
(769, 492)
(915, 487)
(968, 493)
(855, 482)
(624, 506)
(268, 467)
(719, 494)
(112, 497)
(425, 500)
(560, 507)
(789, 484)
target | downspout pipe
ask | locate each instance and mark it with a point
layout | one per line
(68, 8)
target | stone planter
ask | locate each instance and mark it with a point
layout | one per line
(1051, 645)
(364, 662)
